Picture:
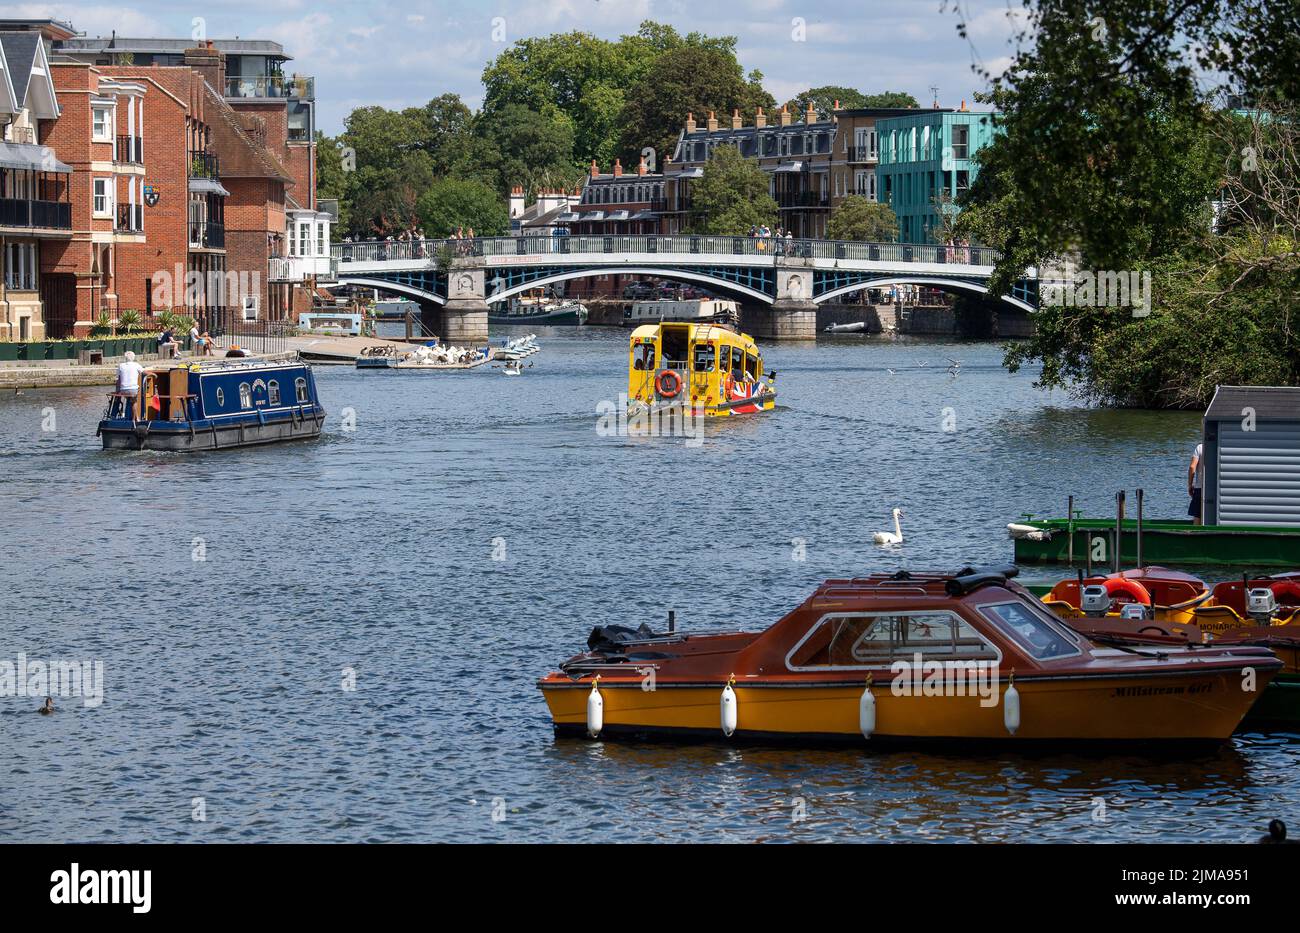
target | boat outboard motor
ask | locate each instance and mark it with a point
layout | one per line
(1261, 604)
(1134, 612)
(1094, 600)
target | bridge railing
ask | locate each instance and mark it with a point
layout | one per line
(368, 251)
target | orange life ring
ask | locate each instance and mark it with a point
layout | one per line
(1287, 588)
(668, 376)
(1131, 588)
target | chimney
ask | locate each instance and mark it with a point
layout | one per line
(641, 169)
(760, 119)
(618, 168)
(210, 63)
(735, 119)
(690, 123)
(785, 115)
(516, 200)
(595, 169)
(836, 106)
(713, 122)
(963, 105)
(810, 115)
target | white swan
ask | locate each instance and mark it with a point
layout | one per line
(891, 537)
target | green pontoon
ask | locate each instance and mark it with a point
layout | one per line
(1048, 541)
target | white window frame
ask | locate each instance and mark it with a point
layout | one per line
(885, 664)
(104, 135)
(108, 197)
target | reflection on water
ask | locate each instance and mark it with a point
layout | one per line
(372, 552)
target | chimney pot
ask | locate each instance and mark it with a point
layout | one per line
(618, 168)
(785, 115)
(595, 169)
(760, 120)
(690, 123)
(713, 122)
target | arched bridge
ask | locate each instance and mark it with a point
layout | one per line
(789, 276)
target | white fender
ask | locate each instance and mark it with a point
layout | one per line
(1011, 706)
(867, 712)
(595, 710)
(728, 710)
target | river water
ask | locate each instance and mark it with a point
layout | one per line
(466, 536)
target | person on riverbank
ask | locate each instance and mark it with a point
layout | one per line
(195, 337)
(167, 345)
(1195, 483)
(128, 382)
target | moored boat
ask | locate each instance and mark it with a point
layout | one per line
(698, 369)
(1156, 606)
(567, 312)
(215, 404)
(965, 656)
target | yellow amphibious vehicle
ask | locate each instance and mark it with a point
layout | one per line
(700, 369)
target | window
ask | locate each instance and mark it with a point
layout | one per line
(273, 392)
(101, 124)
(1039, 635)
(300, 389)
(102, 197)
(960, 141)
(20, 264)
(221, 397)
(321, 239)
(704, 358)
(863, 640)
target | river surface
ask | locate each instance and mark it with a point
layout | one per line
(369, 555)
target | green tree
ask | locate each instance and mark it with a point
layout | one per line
(451, 203)
(856, 218)
(823, 100)
(732, 196)
(689, 79)
(528, 147)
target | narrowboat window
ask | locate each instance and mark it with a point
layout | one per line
(221, 397)
(644, 357)
(704, 357)
(245, 395)
(737, 359)
(875, 640)
(300, 388)
(273, 392)
(1039, 636)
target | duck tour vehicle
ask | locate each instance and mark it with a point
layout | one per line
(212, 405)
(699, 369)
(950, 657)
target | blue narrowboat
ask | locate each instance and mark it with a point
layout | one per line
(215, 404)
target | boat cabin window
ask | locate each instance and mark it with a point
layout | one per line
(221, 397)
(644, 357)
(737, 360)
(704, 357)
(751, 365)
(245, 395)
(864, 640)
(724, 359)
(300, 388)
(1039, 635)
(273, 392)
(675, 343)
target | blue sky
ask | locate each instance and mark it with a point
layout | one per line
(406, 53)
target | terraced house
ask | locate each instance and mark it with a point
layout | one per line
(35, 192)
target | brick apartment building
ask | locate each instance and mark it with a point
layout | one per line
(187, 187)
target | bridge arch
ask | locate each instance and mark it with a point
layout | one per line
(935, 281)
(714, 283)
(387, 285)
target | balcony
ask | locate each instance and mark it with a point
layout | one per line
(297, 87)
(130, 218)
(862, 154)
(45, 215)
(205, 234)
(795, 199)
(299, 268)
(204, 165)
(129, 150)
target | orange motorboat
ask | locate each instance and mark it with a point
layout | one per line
(970, 655)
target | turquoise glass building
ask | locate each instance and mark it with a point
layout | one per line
(924, 155)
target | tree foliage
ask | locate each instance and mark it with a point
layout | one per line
(824, 98)
(857, 218)
(732, 196)
(1114, 140)
(452, 203)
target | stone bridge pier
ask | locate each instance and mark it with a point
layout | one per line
(793, 315)
(464, 318)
